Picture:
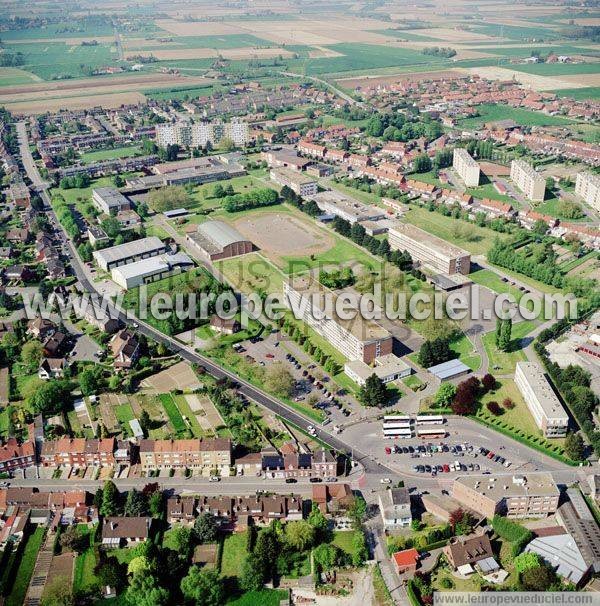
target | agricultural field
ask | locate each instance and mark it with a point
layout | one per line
(523, 117)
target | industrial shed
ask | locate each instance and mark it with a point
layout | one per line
(218, 240)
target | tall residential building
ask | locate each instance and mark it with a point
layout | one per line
(534, 495)
(545, 407)
(198, 135)
(528, 180)
(588, 187)
(355, 339)
(193, 454)
(298, 182)
(466, 167)
(429, 250)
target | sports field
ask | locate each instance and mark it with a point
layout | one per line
(523, 117)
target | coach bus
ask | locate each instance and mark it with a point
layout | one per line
(431, 432)
(398, 432)
(397, 425)
(396, 418)
(430, 420)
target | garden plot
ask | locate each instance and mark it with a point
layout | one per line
(180, 376)
(205, 412)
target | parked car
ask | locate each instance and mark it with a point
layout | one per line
(315, 480)
(385, 481)
(290, 480)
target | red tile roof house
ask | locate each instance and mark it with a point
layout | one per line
(121, 531)
(406, 561)
(15, 456)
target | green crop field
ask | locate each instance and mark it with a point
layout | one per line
(179, 94)
(364, 56)
(61, 30)
(558, 69)
(52, 60)
(403, 34)
(216, 42)
(12, 76)
(589, 92)
(515, 32)
(527, 51)
(492, 113)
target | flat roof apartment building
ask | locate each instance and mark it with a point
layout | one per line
(587, 186)
(429, 250)
(198, 135)
(466, 167)
(298, 182)
(115, 256)
(544, 405)
(528, 180)
(534, 495)
(109, 200)
(355, 339)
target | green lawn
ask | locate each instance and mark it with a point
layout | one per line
(185, 410)
(83, 575)
(173, 413)
(413, 382)
(12, 76)
(558, 69)
(473, 238)
(504, 363)
(589, 92)
(492, 113)
(343, 540)
(234, 553)
(466, 351)
(124, 413)
(264, 597)
(252, 273)
(26, 565)
(491, 280)
(110, 154)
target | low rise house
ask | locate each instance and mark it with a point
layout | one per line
(181, 510)
(226, 326)
(394, 505)
(41, 329)
(15, 455)
(52, 368)
(464, 552)
(125, 349)
(206, 454)
(406, 562)
(125, 532)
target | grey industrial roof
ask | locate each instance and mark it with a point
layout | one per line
(449, 369)
(129, 249)
(220, 234)
(111, 196)
(152, 265)
(562, 553)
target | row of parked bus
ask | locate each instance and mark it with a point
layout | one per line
(423, 426)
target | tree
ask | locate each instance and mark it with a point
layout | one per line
(360, 551)
(168, 198)
(136, 504)
(539, 578)
(357, 510)
(110, 499)
(139, 565)
(299, 535)
(111, 573)
(31, 355)
(182, 539)
(58, 593)
(325, 556)
(205, 528)
(144, 590)
(50, 397)
(218, 191)
(90, 380)
(279, 380)
(494, 408)
(503, 341)
(111, 227)
(525, 561)
(319, 522)
(574, 447)
(72, 540)
(374, 392)
(488, 382)
(252, 577)
(156, 503)
(266, 550)
(422, 164)
(445, 394)
(203, 587)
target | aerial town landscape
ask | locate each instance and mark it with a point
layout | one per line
(299, 301)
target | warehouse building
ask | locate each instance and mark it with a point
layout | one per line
(588, 187)
(534, 495)
(429, 249)
(544, 405)
(151, 270)
(130, 252)
(298, 182)
(528, 180)
(218, 240)
(109, 201)
(466, 167)
(334, 203)
(355, 339)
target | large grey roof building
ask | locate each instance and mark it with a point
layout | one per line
(218, 240)
(108, 258)
(151, 270)
(109, 200)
